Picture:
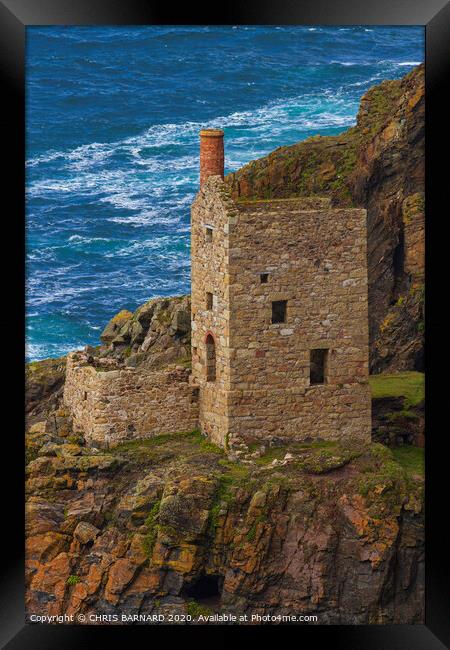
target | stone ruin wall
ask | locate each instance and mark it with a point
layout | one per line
(111, 406)
(316, 260)
(210, 274)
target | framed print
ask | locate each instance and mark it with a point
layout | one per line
(223, 232)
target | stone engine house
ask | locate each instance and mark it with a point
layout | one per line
(279, 313)
(279, 328)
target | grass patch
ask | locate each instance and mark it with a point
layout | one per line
(410, 385)
(73, 580)
(195, 610)
(382, 470)
(204, 443)
(327, 456)
(149, 443)
(271, 454)
(411, 458)
(316, 444)
(386, 479)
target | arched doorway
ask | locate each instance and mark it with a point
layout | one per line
(210, 358)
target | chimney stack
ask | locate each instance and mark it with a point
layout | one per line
(211, 154)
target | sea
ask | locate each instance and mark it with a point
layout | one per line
(112, 146)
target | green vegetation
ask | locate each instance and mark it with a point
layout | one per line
(410, 385)
(382, 481)
(411, 458)
(236, 475)
(152, 530)
(382, 100)
(251, 533)
(73, 580)
(271, 454)
(122, 317)
(149, 444)
(327, 460)
(186, 362)
(222, 495)
(195, 610)
(204, 443)
(316, 457)
(235, 472)
(387, 478)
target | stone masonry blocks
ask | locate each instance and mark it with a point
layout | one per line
(313, 257)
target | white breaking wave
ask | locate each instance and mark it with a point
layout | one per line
(175, 134)
(79, 239)
(145, 187)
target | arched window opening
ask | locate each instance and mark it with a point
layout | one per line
(210, 358)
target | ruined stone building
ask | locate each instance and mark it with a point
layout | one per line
(279, 328)
(279, 313)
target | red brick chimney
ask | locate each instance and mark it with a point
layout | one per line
(211, 154)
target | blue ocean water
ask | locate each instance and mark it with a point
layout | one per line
(113, 115)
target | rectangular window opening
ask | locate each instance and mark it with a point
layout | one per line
(264, 277)
(208, 234)
(209, 300)
(279, 308)
(318, 361)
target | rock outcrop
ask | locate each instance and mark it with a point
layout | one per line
(157, 333)
(378, 165)
(44, 384)
(172, 526)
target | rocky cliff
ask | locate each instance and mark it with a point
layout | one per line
(379, 165)
(173, 526)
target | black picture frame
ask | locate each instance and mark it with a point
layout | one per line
(15, 16)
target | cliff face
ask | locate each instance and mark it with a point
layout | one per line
(174, 526)
(378, 165)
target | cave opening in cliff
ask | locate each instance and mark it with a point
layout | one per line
(205, 588)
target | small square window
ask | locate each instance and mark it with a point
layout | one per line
(279, 308)
(318, 366)
(264, 277)
(209, 300)
(208, 234)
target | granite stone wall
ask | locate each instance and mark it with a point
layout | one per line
(112, 405)
(310, 255)
(211, 211)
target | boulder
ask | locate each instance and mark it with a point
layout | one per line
(115, 325)
(181, 321)
(85, 532)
